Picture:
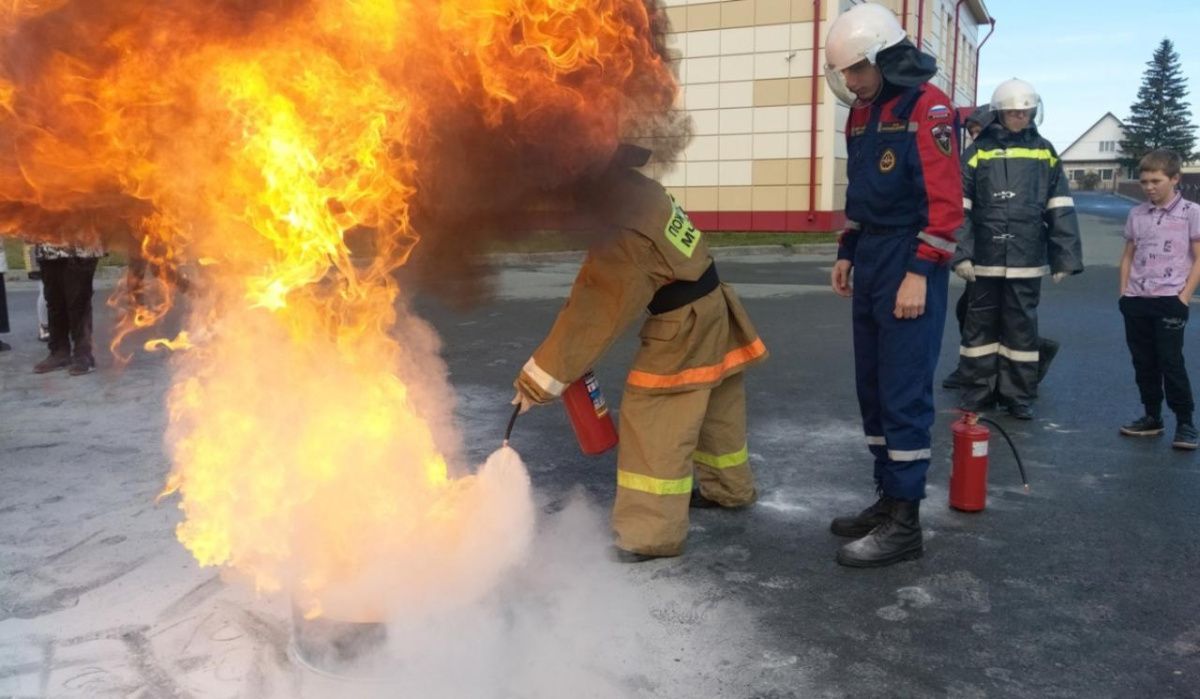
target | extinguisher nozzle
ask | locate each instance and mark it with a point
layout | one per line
(512, 420)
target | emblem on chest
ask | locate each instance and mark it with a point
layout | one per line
(887, 161)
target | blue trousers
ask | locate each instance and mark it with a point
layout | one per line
(894, 361)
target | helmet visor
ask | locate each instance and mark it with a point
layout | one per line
(837, 83)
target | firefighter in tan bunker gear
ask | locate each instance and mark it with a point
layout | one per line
(683, 411)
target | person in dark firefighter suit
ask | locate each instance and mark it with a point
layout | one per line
(1021, 225)
(903, 204)
(979, 120)
(683, 412)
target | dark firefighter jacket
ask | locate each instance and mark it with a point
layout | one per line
(1021, 221)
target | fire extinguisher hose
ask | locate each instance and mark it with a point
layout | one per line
(512, 421)
(1016, 454)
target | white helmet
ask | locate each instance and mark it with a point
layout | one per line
(1017, 94)
(858, 34)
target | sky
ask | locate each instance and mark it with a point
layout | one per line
(1086, 57)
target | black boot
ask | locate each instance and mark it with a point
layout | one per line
(954, 380)
(862, 523)
(1047, 349)
(897, 539)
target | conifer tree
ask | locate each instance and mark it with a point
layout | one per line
(1160, 117)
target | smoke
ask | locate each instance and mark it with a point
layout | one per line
(565, 621)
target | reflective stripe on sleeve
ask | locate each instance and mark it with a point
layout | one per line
(736, 458)
(935, 242)
(652, 485)
(1019, 355)
(1059, 202)
(909, 455)
(545, 381)
(701, 374)
(1012, 272)
(980, 351)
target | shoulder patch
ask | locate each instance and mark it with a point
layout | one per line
(938, 111)
(942, 137)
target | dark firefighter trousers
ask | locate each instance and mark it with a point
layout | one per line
(999, 351)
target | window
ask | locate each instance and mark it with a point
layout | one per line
(1108, 146)
(1076, 175)
(1106, 174)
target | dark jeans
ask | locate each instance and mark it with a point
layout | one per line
(68, 287)
(1154, 329)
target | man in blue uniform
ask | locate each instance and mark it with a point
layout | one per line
(903, 205)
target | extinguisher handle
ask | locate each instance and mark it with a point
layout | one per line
(512, 420)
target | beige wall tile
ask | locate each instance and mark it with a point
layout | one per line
(702, 198)
(802, 38)
(776, 37)
(702, 17)
(702, 174)
(770, 145)
(737, 120)
(770, 199)
(677, 16)
(737, 147)
(735, 198)
(700, 44)
(772, 65)
(737, 94)
(738, 40)
(769, 172)
(797, 198)
(798, 170)
(737, 13)
(802, 11)
(771, 93)
(770, 119)
(800, 91)
(773, 12)
(680, 194)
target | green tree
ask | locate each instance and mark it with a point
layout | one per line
(1160, 117)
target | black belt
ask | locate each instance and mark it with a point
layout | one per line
(680, 293)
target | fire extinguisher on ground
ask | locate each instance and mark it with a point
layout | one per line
(968, 474)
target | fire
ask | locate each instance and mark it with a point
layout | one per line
(238, 145)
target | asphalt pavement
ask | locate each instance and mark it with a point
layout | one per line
(1085, 587)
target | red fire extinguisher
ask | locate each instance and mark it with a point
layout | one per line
(589, 415)
(968, 475)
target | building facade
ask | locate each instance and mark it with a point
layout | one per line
(1098, 151)
(769, 150)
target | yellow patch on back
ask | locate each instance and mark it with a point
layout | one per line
(680, 231)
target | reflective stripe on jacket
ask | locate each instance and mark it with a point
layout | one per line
(690, 347)
(1021, 220)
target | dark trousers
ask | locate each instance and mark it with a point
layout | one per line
(894, 361)
(999, 351)
(68, 287)
(1154, 328)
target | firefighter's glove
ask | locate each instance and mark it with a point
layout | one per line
(966, 270)
(1059, 276)
(527, 395)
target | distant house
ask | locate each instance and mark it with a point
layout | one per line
(1098, 150)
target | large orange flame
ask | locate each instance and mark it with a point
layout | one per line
(239, 143)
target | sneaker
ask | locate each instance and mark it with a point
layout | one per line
(1186, 436)
(52, 363)
(1144, 426)
(83, 364)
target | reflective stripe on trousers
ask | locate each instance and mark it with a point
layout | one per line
(999, 348)
(894, 362)
(665, 439)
